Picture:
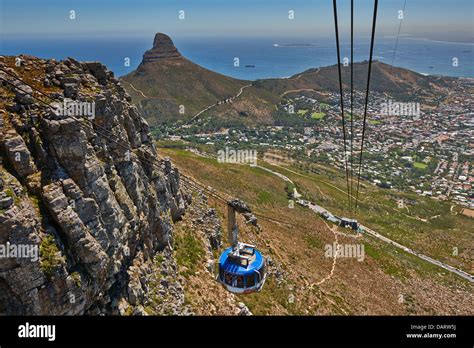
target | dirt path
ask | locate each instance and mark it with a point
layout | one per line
(301, 89)
(231, 99)
(299, 75)
(297, 90)
(137, 90)
(310, 178)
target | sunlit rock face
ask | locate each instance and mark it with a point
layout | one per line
(86, 189)
(163, 48)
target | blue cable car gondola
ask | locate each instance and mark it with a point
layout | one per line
(242, 267)
(243, 273)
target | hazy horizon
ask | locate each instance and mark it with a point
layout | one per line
(431, 34)
(245, 18)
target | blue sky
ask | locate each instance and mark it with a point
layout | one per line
(434, 19)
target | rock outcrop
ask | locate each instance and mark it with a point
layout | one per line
(81, 186)
(163, 48)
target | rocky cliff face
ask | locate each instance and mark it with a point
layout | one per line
(163, 48)
(83, 186)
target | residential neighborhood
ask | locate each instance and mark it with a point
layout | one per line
(427, 148)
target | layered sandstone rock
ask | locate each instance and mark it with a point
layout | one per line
(163, 48)
(91, 193)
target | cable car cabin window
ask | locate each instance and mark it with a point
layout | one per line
(260, 274)
(228, 278)
(250, 280)
(221, 274)
(239, 281)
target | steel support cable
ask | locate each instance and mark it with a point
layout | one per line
(342, 99)
(186, 179)
(103, 131)
(215, 195)
(374, 22)
(100, 132)
(81, 124)
(54, 100)
(352, 102)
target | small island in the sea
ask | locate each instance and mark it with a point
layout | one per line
(298, 44)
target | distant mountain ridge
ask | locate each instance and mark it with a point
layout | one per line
(167, 87)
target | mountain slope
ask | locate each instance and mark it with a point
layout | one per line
(168, 80)
(398, 82)
(387, 281)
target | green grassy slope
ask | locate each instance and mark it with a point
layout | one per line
(373, 286)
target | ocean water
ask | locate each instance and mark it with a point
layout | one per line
(217, 54)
